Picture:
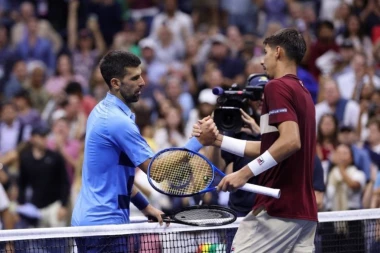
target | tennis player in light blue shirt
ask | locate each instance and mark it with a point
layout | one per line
(114, 147)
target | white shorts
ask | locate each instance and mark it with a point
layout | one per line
(260, 232)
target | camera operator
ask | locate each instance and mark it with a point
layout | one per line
(241, 201)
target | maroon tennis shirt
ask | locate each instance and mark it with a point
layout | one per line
(287, 99)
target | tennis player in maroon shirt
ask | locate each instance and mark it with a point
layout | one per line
(285, 157)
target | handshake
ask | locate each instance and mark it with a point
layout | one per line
(206, 131)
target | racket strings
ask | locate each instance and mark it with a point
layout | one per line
(203, 217)
(181, 173)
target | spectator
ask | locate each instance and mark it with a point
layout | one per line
(325, 42)
(109, 15)
(353, 31)
(85, 56)
(38, 95)
(6, 56)
(155, 69)
(232, 68)
(346, 53)
(175, 93)
(12, 130)
(340, 17)
(35, 47)
(70, 108)
(206, 106)
(345, 110)
(168, 48)
(351, 83)
(327, 137)
(26, 113)
(172, 134)
(370, 18)
(98, 87)
(44, 28)
(64, 74)
(18, 79)
(178, 22)
(67, 147)
(143, 11)
(242, 14)
(345, 182)
(87, 102)
(44, 172)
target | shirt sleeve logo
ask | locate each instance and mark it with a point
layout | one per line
(276, 111)
(260, 160)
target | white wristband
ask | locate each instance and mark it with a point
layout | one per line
(233, 146)
(262, 163)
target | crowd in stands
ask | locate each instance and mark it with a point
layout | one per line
(50, 81)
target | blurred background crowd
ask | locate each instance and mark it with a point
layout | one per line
(50, 81)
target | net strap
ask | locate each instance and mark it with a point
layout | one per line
(133, 228)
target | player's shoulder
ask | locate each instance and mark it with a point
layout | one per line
(276, 85)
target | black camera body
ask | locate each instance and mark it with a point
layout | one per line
(227, 116)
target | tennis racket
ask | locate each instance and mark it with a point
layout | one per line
(180, 172)
(202, 216)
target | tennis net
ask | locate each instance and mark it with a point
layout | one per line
(346, 231)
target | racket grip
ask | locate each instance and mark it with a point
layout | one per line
(275, 193)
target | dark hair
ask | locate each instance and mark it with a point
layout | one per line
(23, 94)
(290, 40)
(324, 23)
(334, 137)
(56, 72)
(114, 64)
(374, 121)
(346, 33)
(74, 88)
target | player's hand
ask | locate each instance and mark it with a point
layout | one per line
(235, 180)
(152, 211)
(196, 131)
(252, 127)
(209, 131)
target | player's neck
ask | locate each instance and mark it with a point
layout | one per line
(119, 96)
(285, 68)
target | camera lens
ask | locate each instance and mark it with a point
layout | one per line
(229, 120)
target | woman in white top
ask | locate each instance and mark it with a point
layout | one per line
(345, 183)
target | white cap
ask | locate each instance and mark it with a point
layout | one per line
(147, 42)
(206, 96)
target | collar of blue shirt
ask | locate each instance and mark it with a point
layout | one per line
(116, 101)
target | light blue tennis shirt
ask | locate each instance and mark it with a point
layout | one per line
(114, 147)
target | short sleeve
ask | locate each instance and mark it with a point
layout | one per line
(278, 99)
(127, 136)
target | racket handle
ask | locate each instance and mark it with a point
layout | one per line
(275, 193)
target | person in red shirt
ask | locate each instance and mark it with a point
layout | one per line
(285, 156)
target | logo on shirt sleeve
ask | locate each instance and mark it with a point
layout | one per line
(260, 160)
(276, 111)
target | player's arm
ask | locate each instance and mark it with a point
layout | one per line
(138, 199)
(238, 147)
(287, 144)
(194, 144)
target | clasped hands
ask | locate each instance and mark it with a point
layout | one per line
(207, 133)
